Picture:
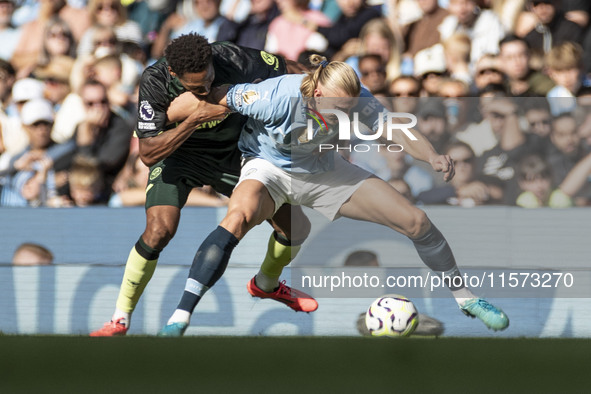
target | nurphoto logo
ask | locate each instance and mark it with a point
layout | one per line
(386, 124)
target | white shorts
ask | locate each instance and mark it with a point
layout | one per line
(324, 192)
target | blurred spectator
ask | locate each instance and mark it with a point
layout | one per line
(432, 122)
(34, 172)
(497, 166)
(376, 38)
(456, 104)
(355, 14)
(456, 50)
(104, 44)
(482, 26)
(487, 72)
(498, 113)
(405, 91)
(508, 12)
(252, 32)
(373, 73)
(13, 138)
(552, 28)
(110, 13)
(464, 189)
(86, 183)
(430, 68)
(585, 128)
(361, 258)
(577, 11)
(207, 23)
(235, 10)
(577, 180)
(58, 41)
(7, 79)
(288, 34)
(537, 114)
(23, 90)
(424, 32)
(534, 177)
(56, 76)
(515, 63)
(30, 44)
(149, 15)
(565, 149)
(108, 70)
(29, 253)
(565, 68)
(493, 90)
(102, 135)
(9, 35)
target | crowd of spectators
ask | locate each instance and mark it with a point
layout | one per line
(502, 86)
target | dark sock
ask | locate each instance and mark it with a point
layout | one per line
(208, 266)
(435, 252)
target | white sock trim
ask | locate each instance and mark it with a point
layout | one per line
(192, 286)
(266, 283)
(180, 316)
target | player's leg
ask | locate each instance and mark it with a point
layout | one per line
(164, 200)
(376, 201)
(291, 230)
(249, 206)
(161, 225)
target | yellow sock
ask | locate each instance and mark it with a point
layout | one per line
(279, 254)
(138, 272)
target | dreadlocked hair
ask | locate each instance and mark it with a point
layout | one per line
(189, 53)
(336, 75)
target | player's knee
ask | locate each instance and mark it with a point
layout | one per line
(420, 224)
(239, 222)
(158, 235)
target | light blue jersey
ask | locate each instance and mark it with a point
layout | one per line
(277, 127)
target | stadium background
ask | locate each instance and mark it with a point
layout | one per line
(77, 293)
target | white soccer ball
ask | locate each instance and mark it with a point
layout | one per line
(391, 315)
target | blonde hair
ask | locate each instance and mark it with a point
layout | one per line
(381, 27)
(85, 172)
(564, 56)
(458, 45)
(336, 75)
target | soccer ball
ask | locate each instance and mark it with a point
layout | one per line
(392, 315)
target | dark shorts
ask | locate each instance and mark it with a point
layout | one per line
(172, 179)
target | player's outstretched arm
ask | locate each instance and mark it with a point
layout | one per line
(419, 148)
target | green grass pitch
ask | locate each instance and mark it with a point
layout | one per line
(137, 364)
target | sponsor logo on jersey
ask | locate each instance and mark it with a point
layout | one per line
(155, 173)
(211, 124)
(270, 59)
(146, 125)
(250, 97)
(146, 111)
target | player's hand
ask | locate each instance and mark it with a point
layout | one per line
(443, 163)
